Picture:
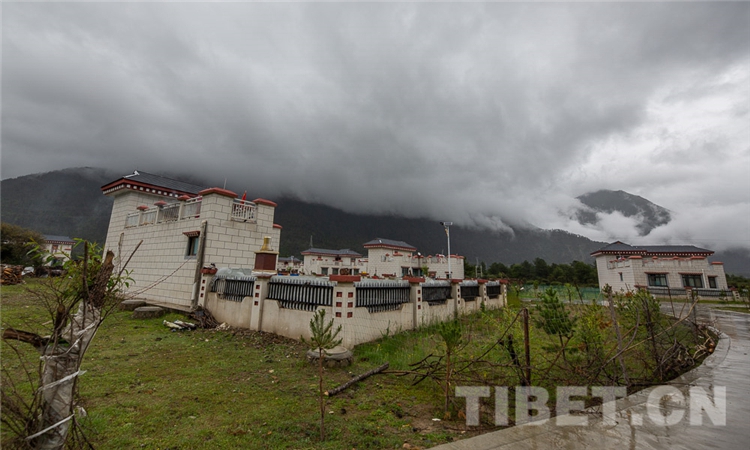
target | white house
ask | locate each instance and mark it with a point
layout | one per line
(662, 269)
(322, 261)
(181, 228)
(59, 247)
(387, 257)
(289, 264)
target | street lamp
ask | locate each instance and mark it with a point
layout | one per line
(446, 225)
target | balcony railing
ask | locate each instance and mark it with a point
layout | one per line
(169, 213)
(192, 208)
(243, 211)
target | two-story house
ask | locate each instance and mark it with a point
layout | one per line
(179, 228)
(322, 261)
(662, 269)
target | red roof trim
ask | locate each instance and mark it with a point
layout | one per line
(393, 247)
(220, 191)
(276, 225)
(263, 201)
(345, 278)
(195, 233)
(123, 183)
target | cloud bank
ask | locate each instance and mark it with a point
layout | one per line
(489, 115)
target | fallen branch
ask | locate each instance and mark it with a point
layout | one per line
(356, 379)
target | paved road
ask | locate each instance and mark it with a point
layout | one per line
(729, 366)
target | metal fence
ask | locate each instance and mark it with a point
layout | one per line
(233, 288)
(469, 290)
(494, 289)
(300, 293)
(436, 292)
(565, 293)
(379, 296)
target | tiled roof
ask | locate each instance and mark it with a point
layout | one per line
(622, 248)
(324, 251)
(53, 238)
(380, 242)
(146, 179)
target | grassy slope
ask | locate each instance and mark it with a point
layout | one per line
(147, 387)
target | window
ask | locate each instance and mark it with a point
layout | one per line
(657, 279)
(192, 248)
(693, 281)
(324, 270)
(335, 271)
(54, 248)
(621, 276)
(712, 282)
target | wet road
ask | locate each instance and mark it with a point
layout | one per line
(729, 366)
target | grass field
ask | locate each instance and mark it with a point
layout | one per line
(148, 388)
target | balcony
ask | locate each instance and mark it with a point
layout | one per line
(163, 212)
(244, 211)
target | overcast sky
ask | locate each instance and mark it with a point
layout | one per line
(484, 114)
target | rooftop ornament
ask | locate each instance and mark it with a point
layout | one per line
(142, 208)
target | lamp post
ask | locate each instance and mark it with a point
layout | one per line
(447, 225)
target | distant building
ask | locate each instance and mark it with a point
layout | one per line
(176, 220)
(322, 261)
(397, 258)
(661, 269)
(385, 258)
(59, 247)
(289, 264)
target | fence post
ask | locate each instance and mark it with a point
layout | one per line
(344, 306)
(527, 345)
(260, 293)
(455, 296)
(415, 298)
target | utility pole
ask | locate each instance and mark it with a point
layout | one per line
(447, 225)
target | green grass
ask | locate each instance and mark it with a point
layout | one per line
(148, 388)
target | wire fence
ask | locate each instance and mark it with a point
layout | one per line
(569, 294)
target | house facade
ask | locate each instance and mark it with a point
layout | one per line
(661, 269)
(387, 257)
(289, 264)
(321, 261)
(178, 228)
(59, 247)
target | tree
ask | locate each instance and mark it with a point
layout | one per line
(541, 270)
(555, 319)
(452, 334)
(323, 337)
(498, 270)
(77, 304)
(16, 244)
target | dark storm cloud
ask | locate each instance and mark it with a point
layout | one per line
(488, 114)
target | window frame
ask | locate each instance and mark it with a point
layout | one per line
(688, 278)
(193, 244)
(654, 277)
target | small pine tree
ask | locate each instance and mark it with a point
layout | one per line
(555, 319)
(323, 337)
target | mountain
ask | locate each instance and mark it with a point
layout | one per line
(70, 202)
(65, 202)
(650, 215)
